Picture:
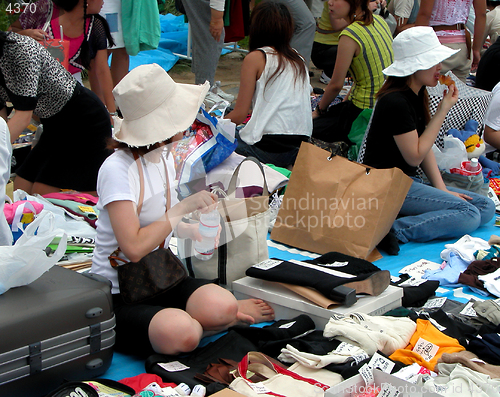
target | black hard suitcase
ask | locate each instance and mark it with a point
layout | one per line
(58, 328)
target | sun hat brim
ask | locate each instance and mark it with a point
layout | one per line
(424, 61)
(175, 114)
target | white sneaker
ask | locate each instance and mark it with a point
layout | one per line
(224, 95)
(213, 99)
(324, 78)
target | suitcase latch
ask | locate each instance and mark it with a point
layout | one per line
(95, 338)
(35, 358)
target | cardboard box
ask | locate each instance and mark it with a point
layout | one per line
(356, 385)
(288, 304)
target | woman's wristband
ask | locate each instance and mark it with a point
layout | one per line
(113, 113)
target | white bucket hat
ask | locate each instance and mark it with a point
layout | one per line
(154, 107)
(416, 48)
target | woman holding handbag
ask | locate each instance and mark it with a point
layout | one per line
(138, 217)
(401, 134)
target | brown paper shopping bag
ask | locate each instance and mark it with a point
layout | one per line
(333, 204)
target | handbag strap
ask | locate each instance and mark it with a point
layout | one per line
(257, 357)
(114, 255)
(231, 190)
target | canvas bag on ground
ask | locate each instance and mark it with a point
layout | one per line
(243, 239)
(333, 204)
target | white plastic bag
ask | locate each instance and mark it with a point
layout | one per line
(452, 154)
(26, 260)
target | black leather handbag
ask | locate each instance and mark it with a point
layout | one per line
(156, 272)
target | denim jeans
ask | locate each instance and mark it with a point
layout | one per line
(429, 213)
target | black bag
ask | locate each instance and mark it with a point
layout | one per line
(339, 148)
(156, 272)
(152, 275)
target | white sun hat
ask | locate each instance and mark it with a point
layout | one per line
(154, 107)
(416, 48)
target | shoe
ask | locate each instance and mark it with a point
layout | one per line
(213, 99)
(324, 78)
(218, 91)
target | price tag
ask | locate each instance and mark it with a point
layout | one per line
(367, 374)
(86, 209)
(287, 325)
(388, 390)
(426, 349)
(258, 388)
(434, 303)
(346, 349)
(267, 264)
(437, 325)
(335, 264)
(173, 366)
(360, 357)
(379, 361)
(412, 282)
(468, 310)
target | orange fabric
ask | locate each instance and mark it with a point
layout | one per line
(430, 333)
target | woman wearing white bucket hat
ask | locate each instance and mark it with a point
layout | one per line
(155, 111)
(401, 134)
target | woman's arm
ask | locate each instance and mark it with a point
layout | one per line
(346, 52)
(424, 13)
(479, 28)
(136, 242)
(413, 148)
(105, 81)
(18, 122)
(251, 70)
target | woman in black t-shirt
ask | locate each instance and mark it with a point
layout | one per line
(401, 134)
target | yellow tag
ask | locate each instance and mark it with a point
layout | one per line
(31, 127)
(27, 217)
(86, 209)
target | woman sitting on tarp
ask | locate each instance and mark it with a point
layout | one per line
(364, 49)
(76, 124)
(275, 81)
(139, 219)
(88, 35)
(401, 134)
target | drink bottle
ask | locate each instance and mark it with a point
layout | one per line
(208, 228)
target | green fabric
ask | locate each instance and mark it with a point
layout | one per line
(78, 208)
(357, 133)
(375, 42)
(141, 25)
(73, 248)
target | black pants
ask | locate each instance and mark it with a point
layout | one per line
(336, 124)
(324, 57)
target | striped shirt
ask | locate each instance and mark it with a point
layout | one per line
(375, 42)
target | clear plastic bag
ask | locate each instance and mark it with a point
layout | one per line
(26, 260)
(452, 155)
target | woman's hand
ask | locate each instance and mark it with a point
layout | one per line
(449, 98)
(37, 34)
(463, 196)
(202, 201)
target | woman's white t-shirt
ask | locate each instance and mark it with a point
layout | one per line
(118, 180)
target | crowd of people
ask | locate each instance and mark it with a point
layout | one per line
(105, 140)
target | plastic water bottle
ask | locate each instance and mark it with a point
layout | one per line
(208, 228)
(472, 165)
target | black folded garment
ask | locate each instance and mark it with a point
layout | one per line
(324, 278)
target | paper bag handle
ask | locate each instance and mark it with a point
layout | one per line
(232, 183)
